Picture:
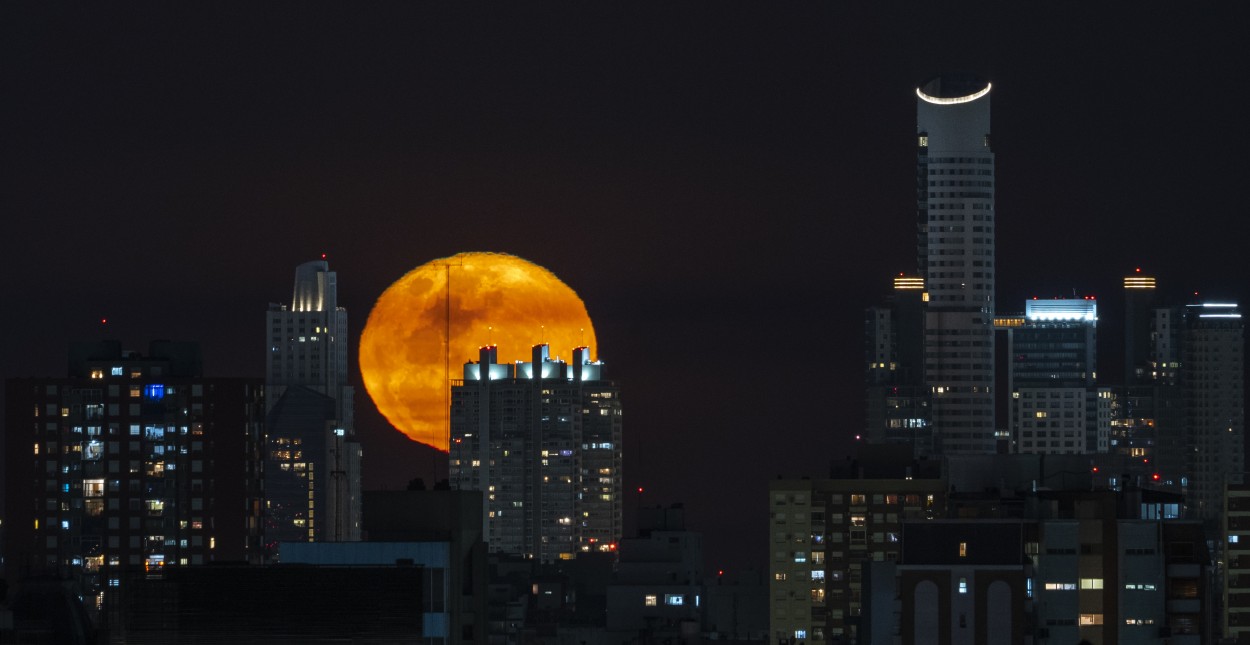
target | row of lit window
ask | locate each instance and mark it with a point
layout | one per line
(670, 599)
(118, 370)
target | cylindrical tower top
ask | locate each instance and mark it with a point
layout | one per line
(315, 287)
(953, 114)
(950, 89)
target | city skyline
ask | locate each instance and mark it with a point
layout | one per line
(714, 186)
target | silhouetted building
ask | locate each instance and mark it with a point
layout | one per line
(279, 605)
(658, 588)
(1139, 303)
(1213, 382)
(898, 395)
(542, 441)
(963, 581)
(131, 464)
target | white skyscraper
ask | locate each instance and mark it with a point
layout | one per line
(312, 470)
(955, 217)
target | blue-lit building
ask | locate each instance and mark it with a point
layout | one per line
(542, 441)
(1056, 406)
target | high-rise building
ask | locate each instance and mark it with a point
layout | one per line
(1213, 383)
(1056, 406)
(1148, 414)
(898, 397)
(955, 219)
(542, 440)
(1139, 302)
(130, 465)
(312, 465)
(1182, 415)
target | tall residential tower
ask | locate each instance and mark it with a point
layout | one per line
(542, 440)
(955, 219)
(128, 466)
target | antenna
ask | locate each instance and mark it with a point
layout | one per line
(447, 264)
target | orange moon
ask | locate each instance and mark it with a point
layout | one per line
(406, 361)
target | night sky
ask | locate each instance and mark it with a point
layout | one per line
(726, 186)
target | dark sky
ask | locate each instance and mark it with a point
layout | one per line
(726, 186)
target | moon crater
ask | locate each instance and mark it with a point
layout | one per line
(430, 322)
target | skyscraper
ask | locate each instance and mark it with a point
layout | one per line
(1139, 300)
(542, 440)
(1212, 378)
(955, 221)
(312, 466)
(898, 397)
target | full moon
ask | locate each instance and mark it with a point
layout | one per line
(429, 323)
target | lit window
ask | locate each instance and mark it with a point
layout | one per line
(800, 633)
(963, 549)
(1091, 619)
(1091, 583)
(963, 585)
(674, 599)
(649, 600)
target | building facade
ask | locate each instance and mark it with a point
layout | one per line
(1213, 382)
(1055, 405)
(955, 219)
(130, 465)
(825, 532)
(898, 396)
(542, 441)
(1236, 561)
(312, 466)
